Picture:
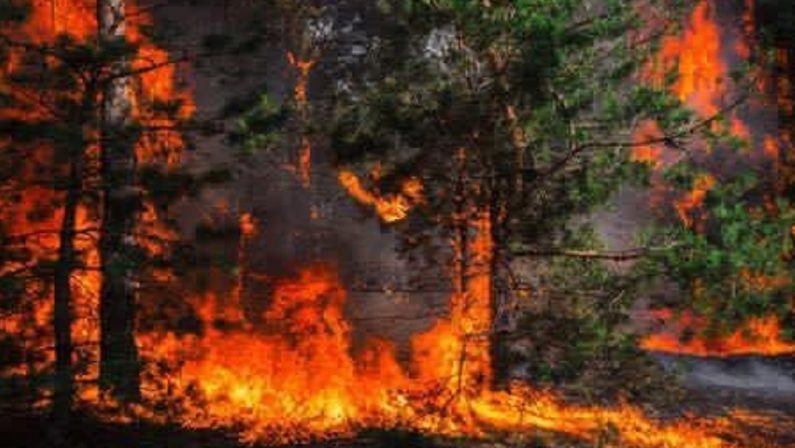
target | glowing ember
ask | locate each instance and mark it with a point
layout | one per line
(248, 225)
(303, 68)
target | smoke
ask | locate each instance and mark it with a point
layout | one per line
(765, 375)
(297, 224)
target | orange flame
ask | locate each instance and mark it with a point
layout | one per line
(390, 208)
(702, 84)
(292, 373)
(303, 67)
(693, 200)
(160, 142)
(647, 153)
(757, 336)
(697, 56)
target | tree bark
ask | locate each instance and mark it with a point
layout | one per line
(62, 294)
(66, 264)
(119, 366)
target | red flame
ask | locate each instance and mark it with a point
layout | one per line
(757, 336)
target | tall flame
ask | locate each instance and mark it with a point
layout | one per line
(293, 373)
(160, 142)
(703, 84)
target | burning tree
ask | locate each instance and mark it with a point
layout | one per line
(532, 115)
(89, 105)
(522, 115)
(730, 246)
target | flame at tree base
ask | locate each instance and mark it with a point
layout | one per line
(294, 375)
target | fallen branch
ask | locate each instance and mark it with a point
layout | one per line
(623, 255)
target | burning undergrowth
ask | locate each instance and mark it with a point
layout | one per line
(293, 374)
(301, 381)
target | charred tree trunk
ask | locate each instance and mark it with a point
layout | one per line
(62, 293)
(66, 264)
(497, 292)
(119, 366)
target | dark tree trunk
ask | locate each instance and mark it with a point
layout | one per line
(119, 366)
(62, 292)
(66, 264)
(498, 294)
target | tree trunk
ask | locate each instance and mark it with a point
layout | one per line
(62, 292)
(498, 349)
(119, 368)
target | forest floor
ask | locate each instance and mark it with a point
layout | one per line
(763, 389)
(35, 431)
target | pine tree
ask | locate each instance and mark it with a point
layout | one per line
(119, 365)
(523, 111)
(70, 173)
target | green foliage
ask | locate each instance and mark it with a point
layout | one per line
(261, 125)
(737, 263)
(524, 109)
(534, 57)
(576, 332)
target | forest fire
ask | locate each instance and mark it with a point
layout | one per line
(703, 83)
(290, 375)
(267, 349)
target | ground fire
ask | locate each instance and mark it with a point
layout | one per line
(300, 381)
